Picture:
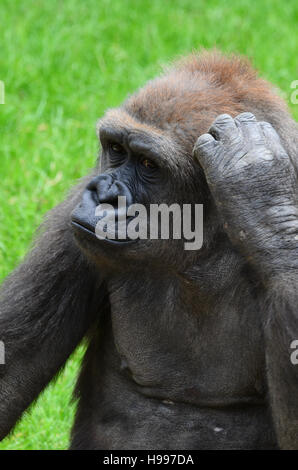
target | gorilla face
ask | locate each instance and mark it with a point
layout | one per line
(145, 166)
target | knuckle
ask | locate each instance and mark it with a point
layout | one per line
(266, 126)
(247, 116)
(223, 119)
(203, 140)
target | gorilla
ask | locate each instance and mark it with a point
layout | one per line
(186, 349)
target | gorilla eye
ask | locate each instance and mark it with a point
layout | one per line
(148, 163)
(117, 148)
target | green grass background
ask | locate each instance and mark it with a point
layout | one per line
(65, 62)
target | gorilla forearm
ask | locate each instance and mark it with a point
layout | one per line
(280, 330)
(279, 271)
(254, 185)
(46, 306)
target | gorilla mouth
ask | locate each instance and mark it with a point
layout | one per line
(88, 229)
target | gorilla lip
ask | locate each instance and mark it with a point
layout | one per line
(87, 229)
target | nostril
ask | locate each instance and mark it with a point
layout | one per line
(122, 190)
(99, 188)
(91, 194)
(107, 189)
(109, 197)
(94, 196)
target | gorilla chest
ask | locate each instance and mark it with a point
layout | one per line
(170, 350)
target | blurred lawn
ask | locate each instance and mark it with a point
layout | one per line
(63, 64)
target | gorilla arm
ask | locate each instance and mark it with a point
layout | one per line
(46, 306)
(254, 185)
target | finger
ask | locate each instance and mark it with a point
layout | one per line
(205, 148)
(224, 128)
(272, 138)
(250, 128)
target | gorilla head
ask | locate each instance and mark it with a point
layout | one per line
(147, 154)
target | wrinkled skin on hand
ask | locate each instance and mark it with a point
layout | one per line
(253, 183)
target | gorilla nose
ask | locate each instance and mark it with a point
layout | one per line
(107, 189)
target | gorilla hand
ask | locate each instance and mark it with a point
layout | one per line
(253, 183)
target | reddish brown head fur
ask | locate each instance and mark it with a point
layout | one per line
(195, 90)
